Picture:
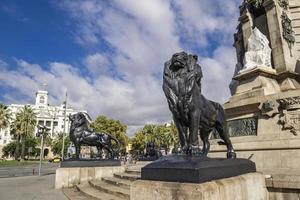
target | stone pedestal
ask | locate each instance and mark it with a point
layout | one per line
(245, 187)
(89, 163)
(259, 81)
(69, 177)
(195, 169)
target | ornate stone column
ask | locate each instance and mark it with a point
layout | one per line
(283, 52)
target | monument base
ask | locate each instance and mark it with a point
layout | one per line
(147, 158)
(196, 169)
(89, 163)
(247, 187)
(69, 177)
(258, 81)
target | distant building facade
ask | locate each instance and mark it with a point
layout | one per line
(51, 116)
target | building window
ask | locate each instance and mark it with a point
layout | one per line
(42, 99)
(4, 141)
(5, 133)
(41, 122)
(55, 123)
(48, 123)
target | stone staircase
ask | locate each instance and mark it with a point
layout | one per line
(109, 188)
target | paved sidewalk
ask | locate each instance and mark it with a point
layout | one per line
(27, 170)
(30, 188)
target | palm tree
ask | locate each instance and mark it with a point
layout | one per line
(23, 127)
(5, 116)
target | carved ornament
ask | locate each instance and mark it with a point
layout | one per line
(269, 108)
(287, 30)
(283, 4)
(290, 103)
(290, 114)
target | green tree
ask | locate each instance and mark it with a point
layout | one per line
(10, 148)
(138, 142)
(33, 144)
(142, 137)
(23, 127)
(167, 136)
(56, 145)
(164, 136)
(113, 127)
(5, 116)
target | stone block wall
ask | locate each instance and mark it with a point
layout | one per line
(250, 186)
(69, 177)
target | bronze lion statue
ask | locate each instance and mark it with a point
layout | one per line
(81, 134)
(192, 113)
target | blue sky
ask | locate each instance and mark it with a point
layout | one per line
(109, 55)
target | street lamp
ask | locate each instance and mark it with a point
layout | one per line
(63, 139)
(42, 132)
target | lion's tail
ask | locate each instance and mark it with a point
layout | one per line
(220, 113)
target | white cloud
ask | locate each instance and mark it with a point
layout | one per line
(217, 73)
(139, 36)
(126, 101)
(97, 64)
(199, 20)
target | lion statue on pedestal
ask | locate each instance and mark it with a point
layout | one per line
(192, 113)
(81, 134)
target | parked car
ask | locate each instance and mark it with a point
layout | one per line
(55, 160)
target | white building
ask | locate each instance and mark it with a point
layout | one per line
(50, 116)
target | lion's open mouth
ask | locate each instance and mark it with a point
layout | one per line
(176, 65)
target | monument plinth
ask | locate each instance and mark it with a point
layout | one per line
(249, 186)
(70, 163)
(195, 169)
(256, 81)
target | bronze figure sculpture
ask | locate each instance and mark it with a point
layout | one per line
(151, 151)
(192, 112)
(81, 134)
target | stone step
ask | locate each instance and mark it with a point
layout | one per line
(133, 171)
(93, 193)
(74, 194)
(131, 177)
(118, 182)
(110, 189)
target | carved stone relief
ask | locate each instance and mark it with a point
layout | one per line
(290, 103)
(269, 108)
(290, 115)
(240, 127)
(283, 4)
(287, 32)
(290, 120)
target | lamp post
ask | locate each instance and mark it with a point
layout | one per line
(63, 139)
(42, 132)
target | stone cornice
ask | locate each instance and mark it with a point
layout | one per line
(258, 71)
